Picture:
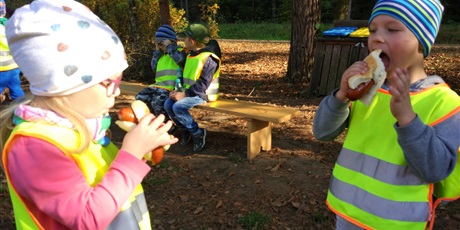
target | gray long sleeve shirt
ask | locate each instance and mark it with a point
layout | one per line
(430, 151)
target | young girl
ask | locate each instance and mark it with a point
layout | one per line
(62, 171)
(400, 157)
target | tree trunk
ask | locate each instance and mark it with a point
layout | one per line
(132, 17)
(187, 11)
(305, 16)
(343, 10)
(273, 9)
(165, 17)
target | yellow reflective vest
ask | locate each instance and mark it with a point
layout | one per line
(94, 163)
(371, 184)
(6, 59)
(166, 72)
(192, 72)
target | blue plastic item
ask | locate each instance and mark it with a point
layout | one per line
(340, 31)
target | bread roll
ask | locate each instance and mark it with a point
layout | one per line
(375, 71)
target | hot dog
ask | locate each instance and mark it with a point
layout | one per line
(363, 87)
(128, 119)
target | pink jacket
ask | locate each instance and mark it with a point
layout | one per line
(58, 194)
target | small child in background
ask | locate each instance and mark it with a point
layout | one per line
(9, 71)
(400, 156)
(167, 59)
(62, 170)
(201, 80)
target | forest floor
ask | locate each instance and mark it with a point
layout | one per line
(284, 188)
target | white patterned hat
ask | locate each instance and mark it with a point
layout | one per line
(62, 47)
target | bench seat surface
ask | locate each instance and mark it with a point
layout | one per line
(251, 110)
(238, 108)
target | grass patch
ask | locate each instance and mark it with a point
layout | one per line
(235, 158)
(256, 31)
(448, 33)
(255, 220)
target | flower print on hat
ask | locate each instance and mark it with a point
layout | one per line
(62, 47)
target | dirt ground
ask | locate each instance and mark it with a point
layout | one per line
(284, 188)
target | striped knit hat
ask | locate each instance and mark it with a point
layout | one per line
(422, 17)
(165, 32)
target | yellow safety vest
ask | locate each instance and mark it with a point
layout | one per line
(371, 185)
(166, 72)
(94, 163)
(192, 72)
(6, 59)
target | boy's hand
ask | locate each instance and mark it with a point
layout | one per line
(358, 67)
(166, 42)
(400, 104)
(176, 95)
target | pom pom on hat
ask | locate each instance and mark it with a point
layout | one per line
(62, 47)
(165, 32)
(422, 17)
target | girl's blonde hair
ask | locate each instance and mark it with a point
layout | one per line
(59, 105)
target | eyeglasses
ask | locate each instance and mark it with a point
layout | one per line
(112, 84)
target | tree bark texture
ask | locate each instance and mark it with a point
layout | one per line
(165, 17)
(133, 17)
(305, 16)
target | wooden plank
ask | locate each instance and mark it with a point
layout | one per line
(354, 54)
(317, 67)
(343, 63)
(325, 70)
(334, 68)
(251, 110)
(363, 51)
(259, 137)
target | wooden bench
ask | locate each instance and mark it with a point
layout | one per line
(259, 117)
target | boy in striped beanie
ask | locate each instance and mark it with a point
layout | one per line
(168, 58)
(399, 160)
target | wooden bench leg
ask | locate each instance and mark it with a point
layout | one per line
(259, 136)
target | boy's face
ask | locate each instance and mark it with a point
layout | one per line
(400, 47)
(189, 43)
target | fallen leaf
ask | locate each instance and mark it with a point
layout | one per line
(198, 210)
(276, 168)
(219, 203)
(183, 198)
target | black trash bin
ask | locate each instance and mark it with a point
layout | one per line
(333, 55)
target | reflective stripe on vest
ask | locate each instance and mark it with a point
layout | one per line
(192, 72)
(93, 163)
(166, 72)
(372, 185)
(6, 59)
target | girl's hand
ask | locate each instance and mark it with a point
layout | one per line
(400, 104)
(359, 67)
(149, 134)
